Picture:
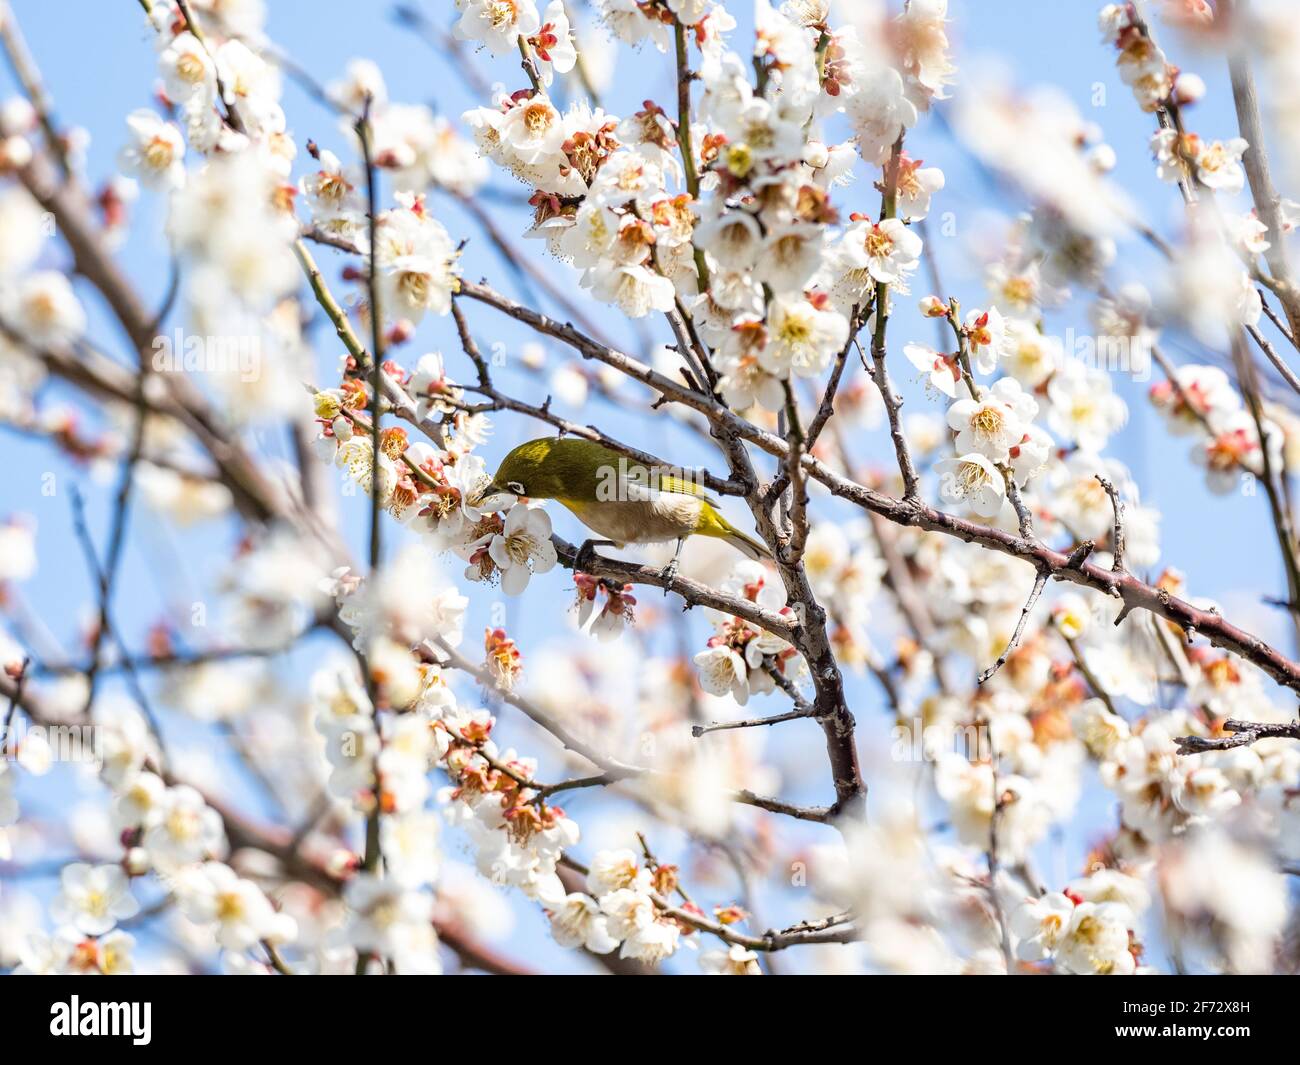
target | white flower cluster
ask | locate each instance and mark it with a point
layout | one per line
(501, 26)
(1208, 286)
(517, 836)
(736, 231)
(436, 491)
(415, 147)
(1087, 929)
(379, 762)
(741, 657)
(40, 306)
(1200, 401)
(620, 911)
(169, 831)
(384, 765)
(91, 900)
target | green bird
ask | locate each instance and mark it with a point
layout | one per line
(616, 497)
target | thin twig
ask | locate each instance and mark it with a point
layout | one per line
(29, 77)
(892, 401)
(106, 576)
(372, 857)
(1040, 582)
(87, 543)
(1282, 524)
(752, 722)
(1098, 689)
(1287, 374)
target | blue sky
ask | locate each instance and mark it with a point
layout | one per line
(97, 59)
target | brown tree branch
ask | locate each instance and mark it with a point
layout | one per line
(1242, 733)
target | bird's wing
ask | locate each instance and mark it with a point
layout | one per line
(637, 480)
(640, 477)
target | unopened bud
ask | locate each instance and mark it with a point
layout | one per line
(1102, 158)
(1188, 89)
(15, 153)
(136, 862)
(401, 332)
(342, 863)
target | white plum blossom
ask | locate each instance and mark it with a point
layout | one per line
(593, 232)
(410, 599)
(723, 672)
(183, 829)
(1040, 924)
(880, 111)
(1028, 355)
(612, 871)
(735, 961)
(1082, 406)
(416, 261)
(732, 239)
(391, 920)
(155, 154)
(497, 23)
(578, 922)
(973, 479)
(922, 45)
(410, 843)
(651, 941)
(1217, 164)
(251, 85)
(93, 898)
(334, 198)
(803, 338)
(140, 801)
(887, 250)
(941, 371)
(523, 547)
(789, 256)
(916, 185)
(986, 332)
(240, 913)
(553, 43)
(44, 309)
(635, 290)
(1096, 940)
(627, 21)
(995, 423)
(189, 75)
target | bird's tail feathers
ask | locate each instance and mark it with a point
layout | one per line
(746, 545)
(711, 523)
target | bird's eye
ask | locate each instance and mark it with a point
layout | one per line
(516, 487)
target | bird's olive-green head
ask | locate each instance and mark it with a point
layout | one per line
(552, 468)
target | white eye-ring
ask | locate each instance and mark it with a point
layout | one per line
(515, 487)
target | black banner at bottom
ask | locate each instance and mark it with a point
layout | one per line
(208, 1014)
